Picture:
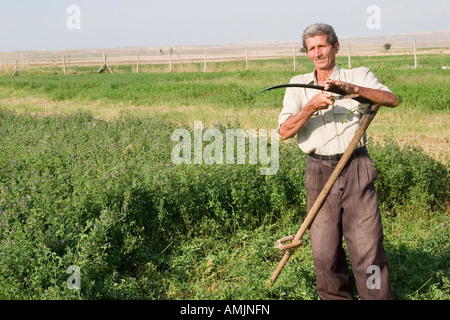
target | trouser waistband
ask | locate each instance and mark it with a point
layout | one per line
(337, 157)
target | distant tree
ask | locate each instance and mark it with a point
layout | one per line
(302, 50)
(387, 46)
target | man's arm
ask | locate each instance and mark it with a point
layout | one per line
(380, 97)
(294, 123)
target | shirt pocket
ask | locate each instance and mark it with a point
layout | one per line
(344, 114)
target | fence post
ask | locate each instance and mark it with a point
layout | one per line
(415, 55)
(246, 59)
(137, 63)
(206, 60)
(16, 69)
(349, 58)
(295, 57)
(170, 61)
(64, 64)
(105, 65)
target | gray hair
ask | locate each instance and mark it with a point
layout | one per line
(319, 28)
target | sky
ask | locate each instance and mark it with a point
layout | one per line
(54, 25)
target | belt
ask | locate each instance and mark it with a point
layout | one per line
(337, 157)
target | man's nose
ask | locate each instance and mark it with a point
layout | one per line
(317, 53)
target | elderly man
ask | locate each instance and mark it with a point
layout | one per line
(324, 128)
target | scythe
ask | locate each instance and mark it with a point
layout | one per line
(366, 119)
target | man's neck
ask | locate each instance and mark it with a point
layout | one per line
(323, 75)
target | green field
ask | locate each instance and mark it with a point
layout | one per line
(87, 179)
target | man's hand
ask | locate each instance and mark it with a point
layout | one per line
(344, 86)
(293, 124)
(320, 101)
(380, 97)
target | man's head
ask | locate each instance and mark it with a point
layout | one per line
(317, 29)
(321, 45)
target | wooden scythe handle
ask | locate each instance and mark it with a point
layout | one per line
(296, 241)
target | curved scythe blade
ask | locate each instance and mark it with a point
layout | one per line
(313, 86)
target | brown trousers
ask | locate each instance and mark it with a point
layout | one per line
(350, 211)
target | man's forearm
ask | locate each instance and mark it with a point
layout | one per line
(380, 97)
(294, 123)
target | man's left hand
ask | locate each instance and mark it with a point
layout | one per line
(345, 86)
(380, 97)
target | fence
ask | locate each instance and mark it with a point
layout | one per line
(185, 59)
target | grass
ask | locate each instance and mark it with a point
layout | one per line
(75, 190)
(86, 179)
(422, 117)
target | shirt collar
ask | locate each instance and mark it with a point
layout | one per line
(334, 75)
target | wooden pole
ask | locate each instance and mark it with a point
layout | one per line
(246, 59)
(64, 64)
(295, 58)
(206, 61)
(170, 60)
(104, 66)
(349, 58)
(16, 69)
(296, 239)
(415, 55)
(137, 63)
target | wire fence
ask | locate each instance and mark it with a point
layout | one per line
(194, 58)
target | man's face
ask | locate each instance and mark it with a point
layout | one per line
(321, 53)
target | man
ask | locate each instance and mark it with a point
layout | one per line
(324, 128)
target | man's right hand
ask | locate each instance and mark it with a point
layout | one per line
(320, 101)
(293, 124)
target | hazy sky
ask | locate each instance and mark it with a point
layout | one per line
(43, 24)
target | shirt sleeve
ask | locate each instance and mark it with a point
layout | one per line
(368, 79)
(291, 104)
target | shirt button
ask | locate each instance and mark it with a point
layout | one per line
(341, 189)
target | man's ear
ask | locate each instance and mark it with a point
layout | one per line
(336, 47)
